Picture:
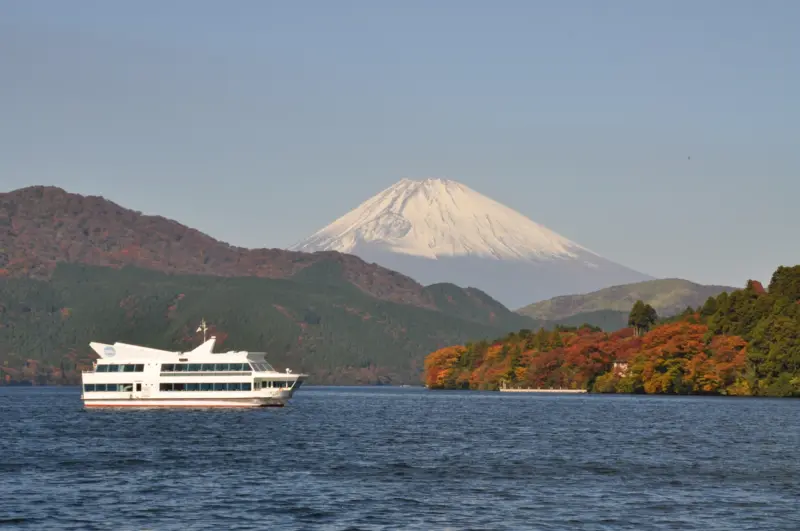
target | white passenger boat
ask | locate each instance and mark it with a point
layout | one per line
(135, 376)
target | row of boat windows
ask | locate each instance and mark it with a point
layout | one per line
(220, 386)
(186, 367)
(105, 388)
(278, 383)
(230, 386)
(205, 367)
(129, 367)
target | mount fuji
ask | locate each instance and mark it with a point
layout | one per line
(438, 230)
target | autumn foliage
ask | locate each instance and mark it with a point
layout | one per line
(673, 358)
(743, 343)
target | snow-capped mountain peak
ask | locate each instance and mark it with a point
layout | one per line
(436, 218)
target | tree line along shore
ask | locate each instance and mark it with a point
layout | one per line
(743, 343)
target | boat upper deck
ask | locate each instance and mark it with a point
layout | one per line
(126, 353)
(123, 357)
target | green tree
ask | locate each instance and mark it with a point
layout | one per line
(786, 282)
(642, 317)
(709, 308)
(540, 340)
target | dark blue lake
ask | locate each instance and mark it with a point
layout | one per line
(395, 458)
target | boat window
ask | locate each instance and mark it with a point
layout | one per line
(207, 367)
(139, 367)
(138, 387)
(126, 388)
(113, 368)
(88, 388)
(101, 368)
(205, 386)
(128, 368)
(111, 387)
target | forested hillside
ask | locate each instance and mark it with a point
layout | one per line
(743, 343)
(315, 321)
(668, 296)
(43, 226)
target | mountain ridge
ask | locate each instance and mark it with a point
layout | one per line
(42, 226)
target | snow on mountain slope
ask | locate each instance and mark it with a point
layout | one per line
(438, 217)
(438, 230)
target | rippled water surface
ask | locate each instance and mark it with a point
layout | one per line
(383, 458)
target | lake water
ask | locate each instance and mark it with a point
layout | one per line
(395, 458)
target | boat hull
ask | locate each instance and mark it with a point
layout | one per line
(188, 402)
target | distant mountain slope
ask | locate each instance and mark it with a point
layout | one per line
(667, 296)
(607, 320)
(41, 226)
(438, 230)
(315, 322)
(474, 305)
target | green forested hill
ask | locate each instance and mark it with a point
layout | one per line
(314, 322)
(667, 296)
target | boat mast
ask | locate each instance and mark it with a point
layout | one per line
(204, 328)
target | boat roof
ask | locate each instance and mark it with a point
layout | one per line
(126, 352)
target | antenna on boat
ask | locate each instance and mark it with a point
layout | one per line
(204, 328)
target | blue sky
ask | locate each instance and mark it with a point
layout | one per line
(259, 122)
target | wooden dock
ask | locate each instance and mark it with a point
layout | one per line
(512, 390)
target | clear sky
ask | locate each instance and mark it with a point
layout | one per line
(259, 122)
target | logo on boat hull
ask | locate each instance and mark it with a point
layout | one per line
(109, 352)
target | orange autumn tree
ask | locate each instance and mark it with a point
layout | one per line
(440, 368)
